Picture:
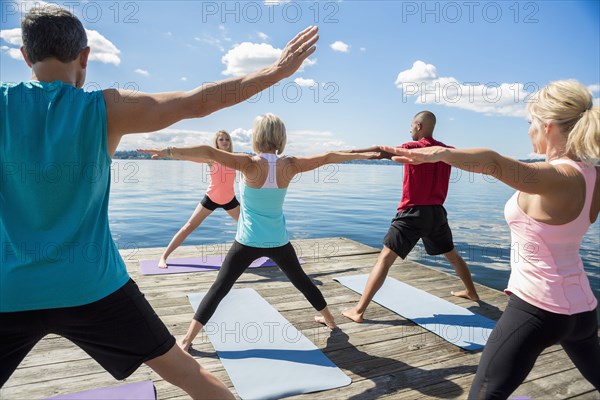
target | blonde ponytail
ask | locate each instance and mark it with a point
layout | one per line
(584, 138)
(568, 104)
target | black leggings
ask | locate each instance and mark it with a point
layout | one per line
(239, 258)
(522, 333)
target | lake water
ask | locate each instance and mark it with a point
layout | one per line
(151, 200)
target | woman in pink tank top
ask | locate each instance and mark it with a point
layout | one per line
(557, 200)
(220, 194)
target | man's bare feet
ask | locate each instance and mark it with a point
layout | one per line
(465, 295)
(353, 314)
(162, 263)
(321, 320)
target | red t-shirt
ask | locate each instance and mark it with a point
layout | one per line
(424, 184)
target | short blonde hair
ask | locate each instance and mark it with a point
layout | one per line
(216, 141)
(268, 134)
(569, 104)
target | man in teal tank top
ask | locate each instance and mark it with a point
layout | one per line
(60, 271)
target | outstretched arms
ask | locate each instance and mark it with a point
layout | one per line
(303, 164)
(136, 112)
(377, 149)
(534, 178)
(203, 153)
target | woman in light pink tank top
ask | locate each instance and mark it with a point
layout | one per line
(220, 194)
(557, 200)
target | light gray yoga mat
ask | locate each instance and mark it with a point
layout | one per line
(265, 356)
(453, 323)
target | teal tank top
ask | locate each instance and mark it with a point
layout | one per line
(262, 223)
(56, 246)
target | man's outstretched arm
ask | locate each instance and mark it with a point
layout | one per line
(135, 112)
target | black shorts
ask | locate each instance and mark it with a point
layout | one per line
(428, 223)
(120, 332)
(212, 206)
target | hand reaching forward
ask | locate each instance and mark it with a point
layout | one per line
(156, 153)
(297, 50)
(417, 156)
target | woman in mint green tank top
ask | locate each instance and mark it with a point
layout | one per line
(261, 228)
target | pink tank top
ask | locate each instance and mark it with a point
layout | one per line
(222, 179)
(546, 268)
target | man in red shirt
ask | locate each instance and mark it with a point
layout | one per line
(421, 215)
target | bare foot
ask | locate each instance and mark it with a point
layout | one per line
(184, 346)
(352, 314)
(162, 263)
(465, 295)
(321, 320)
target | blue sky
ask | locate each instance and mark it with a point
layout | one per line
(473, 63)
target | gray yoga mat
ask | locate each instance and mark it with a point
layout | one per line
(265, 356)
(453, 323)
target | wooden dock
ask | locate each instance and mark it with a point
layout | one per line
(386, 356)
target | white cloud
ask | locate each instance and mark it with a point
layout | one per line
(263, 36)
(12, 36)
(215, 41)
(102, 49)
(419, 72)
(275, 2)
(299, 142)
(242, 140)
(212, 41)
(363, 49)
(307, 142)
(423, 83)
(305, 82)
(340, 46)
(248, 57)
(166, 137)
(183, 78)
(594, 88)
(142, 72)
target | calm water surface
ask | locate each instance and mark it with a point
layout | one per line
(151, 200)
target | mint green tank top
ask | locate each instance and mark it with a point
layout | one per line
(262, 223)
(56, 246)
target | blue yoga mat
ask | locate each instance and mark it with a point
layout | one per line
(265, 356)
(453, 323)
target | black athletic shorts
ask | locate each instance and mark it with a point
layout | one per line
(428, 223)
(212, 206)
(120, 332)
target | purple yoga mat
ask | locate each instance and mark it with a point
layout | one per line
(132, 391)
(196, 264)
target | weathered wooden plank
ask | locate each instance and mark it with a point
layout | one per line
(386, 356)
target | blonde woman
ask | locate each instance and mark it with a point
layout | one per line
(220, 194)
(261, 227)
(557, 200)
